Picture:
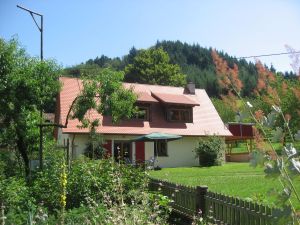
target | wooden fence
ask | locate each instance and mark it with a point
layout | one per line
(218, 208)
(186, 200)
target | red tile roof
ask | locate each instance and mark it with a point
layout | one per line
(174, 99)
(206, 120)
(145, 97)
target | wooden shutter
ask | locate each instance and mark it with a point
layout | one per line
(107, 146)
(140, 151)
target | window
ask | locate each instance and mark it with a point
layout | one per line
(180, 115)
(161, 148)
(142, 113)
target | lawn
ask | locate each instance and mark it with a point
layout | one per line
(234, 179)
(242, 147)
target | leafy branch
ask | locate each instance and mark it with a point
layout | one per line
(228, 79)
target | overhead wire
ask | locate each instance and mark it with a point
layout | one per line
(266, 55)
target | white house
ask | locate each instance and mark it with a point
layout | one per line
(175, 110)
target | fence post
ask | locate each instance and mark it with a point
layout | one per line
(68, 154)
(200, 198)
(2, 214)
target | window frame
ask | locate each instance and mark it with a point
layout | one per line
(145, 107)
(161, 148)
(179, 109)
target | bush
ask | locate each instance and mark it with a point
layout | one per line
(10, 165)
(100, 176)
(96, 152)
(98, 192)
(86, 215)
(14, 193)
(46, 185)
(211, 151)
(144, 208)
(15, 197)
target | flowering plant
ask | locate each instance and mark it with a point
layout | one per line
(275, 92)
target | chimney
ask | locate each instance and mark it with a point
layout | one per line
(190, 87)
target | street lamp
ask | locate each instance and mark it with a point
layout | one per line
(32, 13)
(40, 27)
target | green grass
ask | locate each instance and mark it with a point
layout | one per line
(242, 147)
(239, 148)
(234, 179)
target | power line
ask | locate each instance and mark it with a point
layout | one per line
(266, 55)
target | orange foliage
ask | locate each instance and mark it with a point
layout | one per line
(259, 115)
(258, 138)
(228, 77)
(231, 100)
(261, 85)
(264, 88)
(287, 117)
(265, 77)
(297, 92)
(271, 77)
(274, 96)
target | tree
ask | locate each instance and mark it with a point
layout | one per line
(104, 93)
(82, 70)
(152, 66)
(270, 89)
(128, 59)
(26, 86)
(226, 112)
(277, 91)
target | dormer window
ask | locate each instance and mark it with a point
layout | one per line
(178, 114)
(178, 107)
(144, 102)
(142, 113)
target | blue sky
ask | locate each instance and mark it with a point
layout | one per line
(76, 31)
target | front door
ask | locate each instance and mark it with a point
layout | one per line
(122, 151)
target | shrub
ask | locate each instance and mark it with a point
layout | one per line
(211, 151)
(98, 192)
(46, 186)
(96, 152)
(15, 197)
(9, 164)
(86, 215)
(92, 178)
(13, 192)
(143, 208)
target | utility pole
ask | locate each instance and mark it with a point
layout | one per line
(41, 29)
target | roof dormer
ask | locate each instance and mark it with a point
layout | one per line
(178, 107)
(173, 99)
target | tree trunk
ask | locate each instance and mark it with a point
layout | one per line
(23, 152)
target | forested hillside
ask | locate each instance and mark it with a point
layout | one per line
(194, 61)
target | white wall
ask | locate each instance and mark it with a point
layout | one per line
(80, 144)
(180, 152)
(76, 148)
(61, 137)
(149, 150)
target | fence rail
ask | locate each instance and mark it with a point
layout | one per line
(219, 208)
(184, 198)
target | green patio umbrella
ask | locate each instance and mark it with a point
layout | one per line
(155, 137)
